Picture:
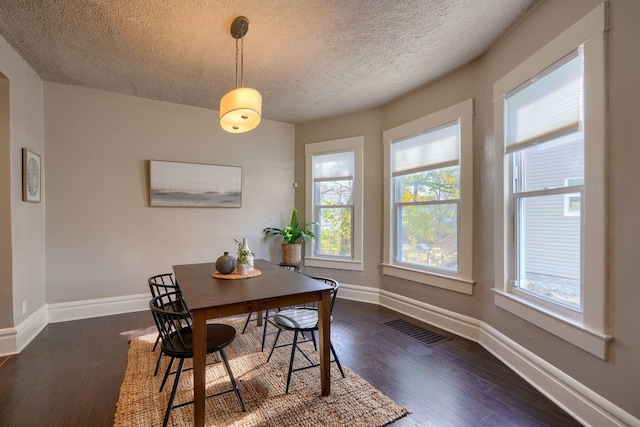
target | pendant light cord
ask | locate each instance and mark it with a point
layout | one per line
(240, 61)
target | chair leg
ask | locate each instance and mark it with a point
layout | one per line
(313, 338)
(173, 393)
(156, 344)
(158, 364)
(265, 320)
(293, 352)
(335, 357)
(233, 380)
(247, 322)
(274, 344)
(166, 374)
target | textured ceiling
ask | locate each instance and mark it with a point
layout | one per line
(310, 59)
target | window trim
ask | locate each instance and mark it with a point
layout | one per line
(355, 144)
(591, 333)
(458, 282)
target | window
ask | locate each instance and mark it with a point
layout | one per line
(428, 166)
(333, 203)
(334, 200)
(551, 231)
(545, 143)
(426, 193)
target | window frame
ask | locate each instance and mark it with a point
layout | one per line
(311, 259)
(589, 331)
(460, 281)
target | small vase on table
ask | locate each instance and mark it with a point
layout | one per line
(241, 269)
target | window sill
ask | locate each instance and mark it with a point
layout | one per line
(449, 282)
(337, 264)
(594, 342)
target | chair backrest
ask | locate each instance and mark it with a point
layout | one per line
(161, 284)
(333, 283)
(173, 325)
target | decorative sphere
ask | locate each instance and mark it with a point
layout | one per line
(226, 264)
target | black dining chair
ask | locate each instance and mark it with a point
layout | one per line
(163, 284)
(300, 320)
(175, 328)
(265, 317)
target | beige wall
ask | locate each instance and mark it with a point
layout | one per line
(617, 380)
(366, 123)
(6, 268)
(103, 240)
(26, 220)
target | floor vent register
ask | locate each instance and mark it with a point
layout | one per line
(419, 333)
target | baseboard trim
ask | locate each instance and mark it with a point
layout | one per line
(14, 340)
(582, 403)
(359, 293)
(76, 310)
(461, 325)
(8, 344)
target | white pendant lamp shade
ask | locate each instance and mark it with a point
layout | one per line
(240, 110)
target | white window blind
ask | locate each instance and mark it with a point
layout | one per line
(547, 107)
(333, 166)
(431, 150)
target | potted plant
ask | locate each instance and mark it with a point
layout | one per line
(292, 238)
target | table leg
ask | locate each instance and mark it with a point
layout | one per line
(324, 311)
(199, 366)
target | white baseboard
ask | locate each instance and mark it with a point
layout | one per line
(63, 312)
(8, 344)
(14, 340)
(582, 403)
(359, 293)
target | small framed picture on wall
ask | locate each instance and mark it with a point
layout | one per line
(31, 176)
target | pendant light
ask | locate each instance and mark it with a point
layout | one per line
(241, 108)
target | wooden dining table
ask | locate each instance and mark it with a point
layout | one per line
(211, 298)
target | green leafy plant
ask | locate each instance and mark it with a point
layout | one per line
(243, 254)
(294, 232)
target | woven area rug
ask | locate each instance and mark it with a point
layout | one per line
(353, 401)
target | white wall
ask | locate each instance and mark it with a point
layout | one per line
(26, 219)
(103, 239)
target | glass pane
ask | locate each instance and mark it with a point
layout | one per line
(427, 235)
(437, 184)
(549, 245)
(334, 192)
(335, 232)
(554, 164)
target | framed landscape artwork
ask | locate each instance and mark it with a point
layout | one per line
(194, 185)
(31, 176)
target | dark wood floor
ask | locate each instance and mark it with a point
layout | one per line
(70, 375)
